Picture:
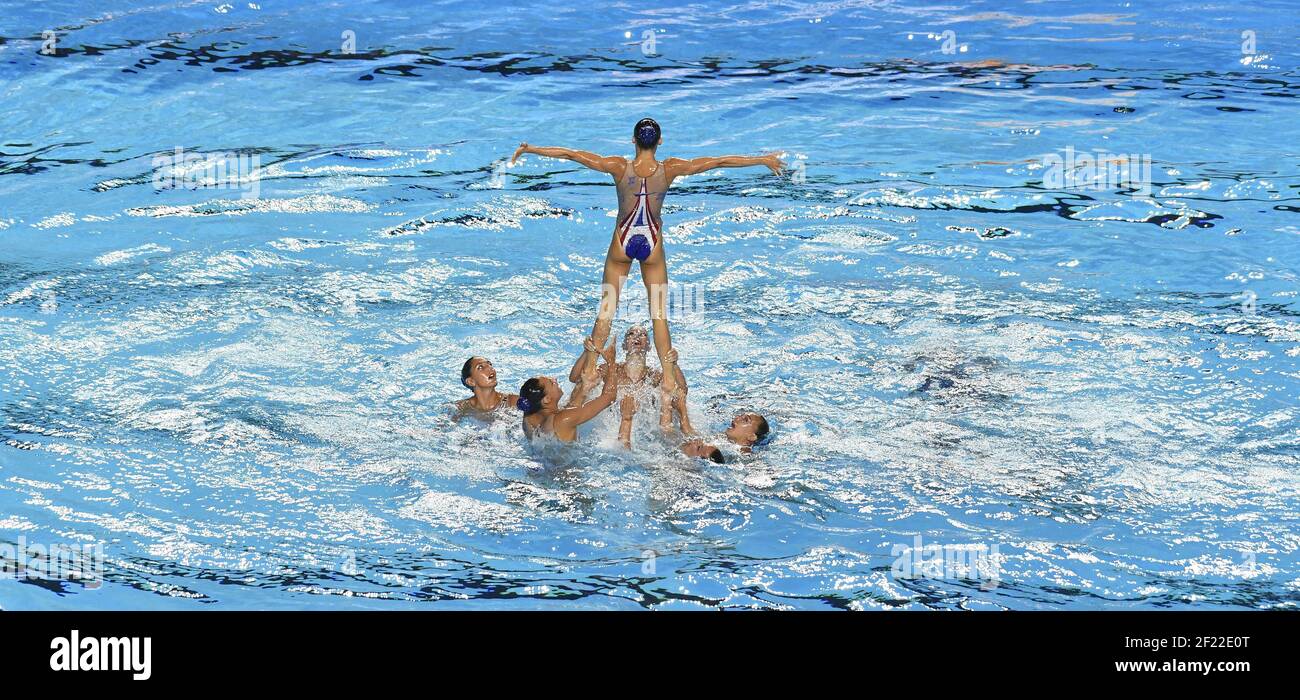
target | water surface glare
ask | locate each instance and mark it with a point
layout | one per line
(239, 385)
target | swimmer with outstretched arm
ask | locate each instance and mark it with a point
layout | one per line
(642, 183)
(539, 399)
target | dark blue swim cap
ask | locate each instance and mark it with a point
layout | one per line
(530, 396)
(646, 133)
(638, 247)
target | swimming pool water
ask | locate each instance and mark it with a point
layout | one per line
(243, 398)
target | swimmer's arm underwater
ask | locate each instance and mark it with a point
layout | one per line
(613, 165)
(676, 167)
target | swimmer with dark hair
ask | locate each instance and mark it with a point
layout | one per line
(642, 183)
(539, 399)
(634, 374)
(479, 376)
(702, 450)
(748, 430)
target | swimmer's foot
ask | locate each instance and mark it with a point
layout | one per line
(668, 385)
(669, 382)
(665, 415)
(674, 403)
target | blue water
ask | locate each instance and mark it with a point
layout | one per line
(244, 399)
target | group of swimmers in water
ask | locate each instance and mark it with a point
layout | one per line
(641, 183)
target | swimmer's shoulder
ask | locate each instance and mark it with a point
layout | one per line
(541, 422)
(674, 167)
(462, 408)
(564, 431)
(615, 166)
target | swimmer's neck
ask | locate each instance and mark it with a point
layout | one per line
(634, 366)
(485, 399)
(644, 157)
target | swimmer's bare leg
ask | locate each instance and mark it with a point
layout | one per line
(611, 283)
(654, 272)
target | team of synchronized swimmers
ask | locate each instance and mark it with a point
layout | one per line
(641, 184)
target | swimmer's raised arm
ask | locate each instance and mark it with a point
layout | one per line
(589, 353)
(575, 417)
(628, 410)
(583, 374)
(679, 404)
(614, 165)
(675, 401)
(676, 167)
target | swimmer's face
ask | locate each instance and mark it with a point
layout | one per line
(482, 375)
(552, 393)
(701, 450)
(744, 429)
(696, 448)
(636, 340)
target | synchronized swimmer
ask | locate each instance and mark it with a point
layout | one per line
(479, 376)
(641, 184)
(633, 376)
(540, 400)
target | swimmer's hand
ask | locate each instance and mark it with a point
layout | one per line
(523, 148)
(588, 362)
(668, 381)
(774, 163)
